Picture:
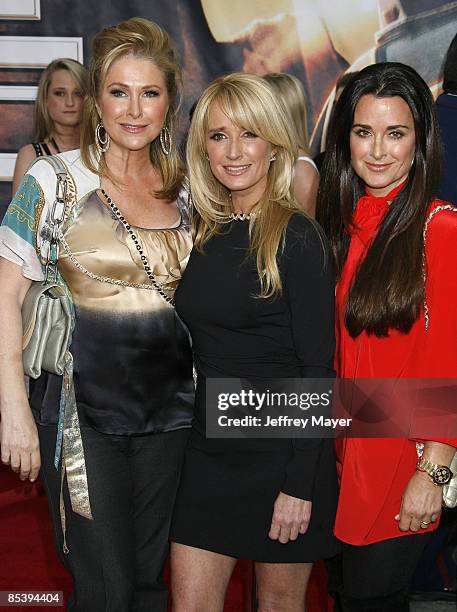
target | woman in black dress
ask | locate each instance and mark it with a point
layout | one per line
(257, 297)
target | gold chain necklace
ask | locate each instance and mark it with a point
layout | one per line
(159, 287)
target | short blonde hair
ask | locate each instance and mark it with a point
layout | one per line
(292, 94)
(145, 39)
(43, 126)
(249, 103)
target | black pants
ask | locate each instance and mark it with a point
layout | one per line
(376, 577)
(117, 559)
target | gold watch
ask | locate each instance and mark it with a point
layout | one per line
(440, 474)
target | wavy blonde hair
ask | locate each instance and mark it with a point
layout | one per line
(43, 125)
(292, 95)
(144, 39)
(249, 102)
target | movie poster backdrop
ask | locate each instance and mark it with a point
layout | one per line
(315, 40)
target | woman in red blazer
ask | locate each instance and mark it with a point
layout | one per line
(396, 318)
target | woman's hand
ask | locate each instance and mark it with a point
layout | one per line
(421, 503)
(290, 517)
(18, 432)
(19, 443)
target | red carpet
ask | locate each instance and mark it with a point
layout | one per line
(28, 560)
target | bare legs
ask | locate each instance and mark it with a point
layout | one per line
(281, 587)
(200, 579)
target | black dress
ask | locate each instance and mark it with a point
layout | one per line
(228, 487)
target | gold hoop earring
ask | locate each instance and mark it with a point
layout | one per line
(102, 143)
(165, 140)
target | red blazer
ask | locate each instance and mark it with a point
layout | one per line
(374, 472)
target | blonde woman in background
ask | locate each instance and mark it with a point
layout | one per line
(257, 297)
(124, 245)
(306, 176)
(57, 114)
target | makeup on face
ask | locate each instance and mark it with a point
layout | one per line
(239, 159)
(382, 142)
(133, 102)
(64, 99)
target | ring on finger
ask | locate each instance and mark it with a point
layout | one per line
(425, 524)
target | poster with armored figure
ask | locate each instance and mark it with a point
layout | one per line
(315, 40)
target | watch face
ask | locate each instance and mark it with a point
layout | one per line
(442, 475)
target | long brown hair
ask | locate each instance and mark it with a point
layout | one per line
(388, 289)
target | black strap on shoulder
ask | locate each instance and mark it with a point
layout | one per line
(37, 147)
(41, 149)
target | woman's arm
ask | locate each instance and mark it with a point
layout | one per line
(291, 516)
(306, 185)
(437, 359)
(25, 157)
(19, 265)
(18, 432)
(309, 291)
(422, 499)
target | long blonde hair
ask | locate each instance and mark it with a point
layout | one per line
(292, 95)
(145, 39)
(249, 102)
(43, 126)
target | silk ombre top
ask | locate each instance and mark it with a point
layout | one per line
(132, 355)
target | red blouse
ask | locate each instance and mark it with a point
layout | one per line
(374, 472)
